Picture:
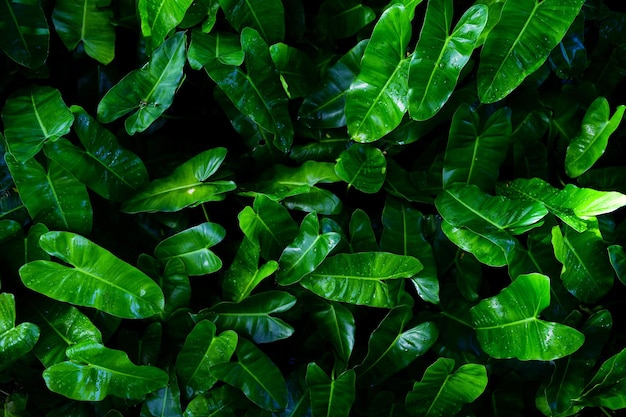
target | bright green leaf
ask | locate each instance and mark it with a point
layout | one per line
(213, 49)
(15, 341)
(606, 388)
(159, 18)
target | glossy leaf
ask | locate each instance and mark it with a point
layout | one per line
(222, 401)
(164, 402)
(617, 256)
(25, 34)
(377, 99)
(15, 341)
(252, 317)
(606, 387)
(146, 92)
(362, 236)
(174, 283)
(186, 186)
(96, 278)
(520, 43)
(362, 166)
(33, 116)
(192, 247)
(94, 371)
(306, 252)
(361, 278)
(102, 164)
(586, 272)
(474, 153)
(443, 391)
(203, 349)
(87, 22)
(441, 55)
(213, 49)
(343, 18)
(266, 17)
(330, 396)
(53, 197)
(337, 324)
(589, 145)
(507, 324)
(159, 18)
(256, 376)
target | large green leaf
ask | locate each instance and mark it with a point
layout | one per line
(362, 236)
(15, 341)
(252, 317)
(520, 43)
(94, 371)
(25, 34)
(96, 278)
(147, 92)
(508, 324)
(186, 186)
(54, 197)
(203, 348)
(297, 70)
(256, 376)
(306, 252)
(213, 49)
(443, 391)
(361, 278)
(330, 396)
(606, 387)
(441, 55)
(102, 164)
(192, 247)
(164, 402)
(337, 324)
(377, 99)
(585, 149)
(362, 166)
(343, 18)
(475, 152)
(32, 116)
(159, 18)
(587, 271)
(87, 22)
(265, 16)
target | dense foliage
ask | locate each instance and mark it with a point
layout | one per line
(299, 208)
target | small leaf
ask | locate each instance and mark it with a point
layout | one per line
(265, 16)
(363, 167)
(606, 388)
(159, 18)
(15, 341)
(330, 397)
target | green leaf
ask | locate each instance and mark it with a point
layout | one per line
(362, 166)
(443, 391)
(213, 49)
(394, 345)
(25, 34)
(589, 145)
(93, 372)
(186, 186)
(362, 236)
(586, 272)
(15, 341)
(330, 396)
(174, 283)
(192, 247)
(55, 197)
(520, 43)
(201, 351)
(96, 278)
(343, 18)
(103, 165)
(33, 116)
(337, 324)
(377, 99)
(361, 278)
(507, 324)
(159, 18)
(617, 256)
(164, 402)
(606, 388)
(88, 22)
(265, 16)
(441, 55)
(474, 153)
(218, 402)
(252, 316)
(256, 376)
(306, 252)
(297, 70)
(149, 91)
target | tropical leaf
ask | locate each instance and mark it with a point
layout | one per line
(330, 396)
(507, 324)
(15, 341)
(337, 324)
(96, 278)
(159, 18)
(343, 18)
(164, 402)
(362, 236)
(266, 17)
(297, 70)
(606, 387)
(25, 34)
(362, 166)
(221, 401)
(617, 256)
(213, 49)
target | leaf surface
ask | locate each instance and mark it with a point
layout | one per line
(25, 36)
(15, 341)
(330, 396)
(362, 166)
(267, 17)
(159, 18)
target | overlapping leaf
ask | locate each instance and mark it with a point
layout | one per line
(330, 396)
(362, 166)
(159, 18)
(25, 34)
(213, 49)
(15, 341)
(267, 17)
(343, 18)
(336, 323)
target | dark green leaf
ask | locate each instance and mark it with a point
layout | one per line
(337, 323)
(330, 396)
(25, 34)
(362, 166)
(265, 16)
(343, 18)
(15, 341)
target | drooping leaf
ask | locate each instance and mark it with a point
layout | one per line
(186, 186)
(330, 396)
(25, 34)
(377, 99)
(585, 149)
(362, 166)
(507, 324)
(337, 323)
(94, 371)
(88, 22)
(192, 247)
(520, 43)
(441, 55)
(159, 18)
(443, 390)
(267, 17)
(15, 341)
(103, 165)
(361, 278)
(343, 18)
(33, 116)
(147, 92)
(96, 278)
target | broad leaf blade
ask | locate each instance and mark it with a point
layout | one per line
(25, 34)
(343, 18)
(15, 341)
(362, 166)
(159, 18)
(337, 323)
(267, 17)
(330, 396)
